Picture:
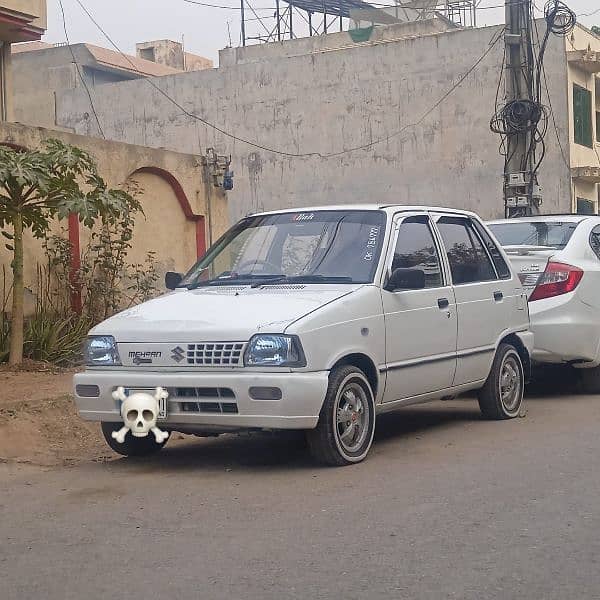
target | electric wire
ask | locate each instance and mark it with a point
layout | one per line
(493, 41)
(83, 81)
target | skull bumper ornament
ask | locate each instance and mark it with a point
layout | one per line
(139, 412)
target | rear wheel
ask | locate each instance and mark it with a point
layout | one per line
(502, 395)
(346, 425)
(132, 446)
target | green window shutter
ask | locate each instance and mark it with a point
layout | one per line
(582, 116)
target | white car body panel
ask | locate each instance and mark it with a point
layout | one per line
(418, 350)
(567, 326)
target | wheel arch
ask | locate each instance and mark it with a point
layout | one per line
(514, 340)
(365, 364)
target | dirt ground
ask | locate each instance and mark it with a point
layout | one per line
(38, 420)
(39, 424)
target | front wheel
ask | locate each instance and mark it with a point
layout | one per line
(132, 446)
(502, 395)
(346, 425)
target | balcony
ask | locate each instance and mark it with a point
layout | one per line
(587, 174)
(585, 60)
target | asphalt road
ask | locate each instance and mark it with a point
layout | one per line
(446, 506)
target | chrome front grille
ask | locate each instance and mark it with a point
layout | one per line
(215, 354)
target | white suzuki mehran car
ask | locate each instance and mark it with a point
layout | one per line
(315, 320)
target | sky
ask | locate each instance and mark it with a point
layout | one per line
(204, 29)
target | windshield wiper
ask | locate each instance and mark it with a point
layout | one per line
(243, 279)
(305, 279)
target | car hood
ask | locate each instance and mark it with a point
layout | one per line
(219, 314)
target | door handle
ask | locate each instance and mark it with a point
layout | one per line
(443, 303)
(498, 296)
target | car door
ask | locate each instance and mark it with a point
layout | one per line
(483, 291)
(420, 323)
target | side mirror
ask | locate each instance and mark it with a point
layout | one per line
(172, 279)
(406, 279)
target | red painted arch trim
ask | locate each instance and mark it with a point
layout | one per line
(184, 203)
(75, 265)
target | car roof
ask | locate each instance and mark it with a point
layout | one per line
(389, 208)
(550, 218)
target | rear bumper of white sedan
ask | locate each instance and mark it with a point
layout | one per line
(565, 331)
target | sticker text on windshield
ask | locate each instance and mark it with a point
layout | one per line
(371, 243)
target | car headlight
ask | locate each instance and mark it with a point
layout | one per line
(101, 350)
(274, 350)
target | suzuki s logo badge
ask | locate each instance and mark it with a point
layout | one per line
(178, 354)
(530, 269)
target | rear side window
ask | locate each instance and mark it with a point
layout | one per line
(469, 262)
(501, 267)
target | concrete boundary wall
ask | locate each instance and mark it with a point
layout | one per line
(330, 101)
(178, 219)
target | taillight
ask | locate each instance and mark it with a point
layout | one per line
(557, 279)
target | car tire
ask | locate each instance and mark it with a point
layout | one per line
(502, 395)
(589, 381)
(132, 446)
(346, 426)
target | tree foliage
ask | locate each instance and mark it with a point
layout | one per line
(37, 186)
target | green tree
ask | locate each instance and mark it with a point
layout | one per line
(39, 185)
(596, 29)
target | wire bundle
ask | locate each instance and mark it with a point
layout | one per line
(560, 19)
(527, 115)
(517, 116)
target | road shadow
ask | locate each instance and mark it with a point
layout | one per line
(258, 452)
(410, 421)
(553, 382)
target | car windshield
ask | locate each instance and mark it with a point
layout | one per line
(553, 234)
(328, 246)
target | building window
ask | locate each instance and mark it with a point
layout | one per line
(148, 53)
(582, 116)
(598, 125)
(585, 206)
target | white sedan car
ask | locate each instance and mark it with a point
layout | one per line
(557, 258)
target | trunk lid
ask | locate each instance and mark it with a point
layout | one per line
(530, 263)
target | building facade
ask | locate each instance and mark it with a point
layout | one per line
(41, 71)
(183, 209)
(335, 121)
(20, 20)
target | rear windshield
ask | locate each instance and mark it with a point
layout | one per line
(553, 234)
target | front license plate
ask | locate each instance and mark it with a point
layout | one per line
(162, 403)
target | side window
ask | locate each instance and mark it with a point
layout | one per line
(468, 259)
(501, 267)
(595, 240)
(582, 116)
(415, 249)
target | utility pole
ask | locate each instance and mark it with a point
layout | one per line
(243, 22)
(522, 195)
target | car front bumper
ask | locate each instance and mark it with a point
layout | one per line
(302, 396)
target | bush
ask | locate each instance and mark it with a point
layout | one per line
(108, 283)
